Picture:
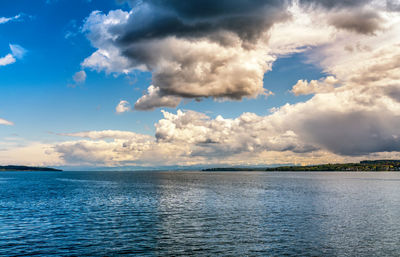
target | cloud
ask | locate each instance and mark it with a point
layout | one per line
(393, 5)
(8, 19)
(335, 5)
(325, 85)
(359, 117)
(33, 153)
(347, 125)
(360, 21)
(174, 148)
(347, 121)
(246, 19)
(101, 152)
(189, 57)
(154, 99)
(17, 52)
(223, 137)
(107, 134)
(107, 57)
(79, 77)
(6, 60)
(353, 113)
(5, 122)
(123, 106)
(331, 126)
(357, 120)
(71, 30)
(183, 138)
(392, 91)
(220, 51)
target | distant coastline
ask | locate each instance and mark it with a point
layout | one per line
(374, 165)
(26, 168)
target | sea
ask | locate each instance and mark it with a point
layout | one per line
(195, 213)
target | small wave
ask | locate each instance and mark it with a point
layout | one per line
(4, 180)
(85, 181)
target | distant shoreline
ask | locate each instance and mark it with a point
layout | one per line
(375, 165)
(26, 168)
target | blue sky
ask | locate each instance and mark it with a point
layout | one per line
(42, 100)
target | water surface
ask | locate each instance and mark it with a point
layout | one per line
(199, 213)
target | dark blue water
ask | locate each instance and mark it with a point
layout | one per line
(199, 213)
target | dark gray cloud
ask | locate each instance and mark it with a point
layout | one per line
(363, 22)
(393, 91)
(332, 4)
(349, 14)
(393, 5)
(355, 133)
(201, 18)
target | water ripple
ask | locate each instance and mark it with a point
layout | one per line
(201, 214)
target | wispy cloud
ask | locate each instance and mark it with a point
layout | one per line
(9, 19)
(6, 122)
(18, 51)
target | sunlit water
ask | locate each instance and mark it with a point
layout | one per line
(199, 213)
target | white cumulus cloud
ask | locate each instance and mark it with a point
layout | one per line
(325, 85)
(123, 106)
(6, 60)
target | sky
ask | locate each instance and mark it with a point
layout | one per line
(154, 83)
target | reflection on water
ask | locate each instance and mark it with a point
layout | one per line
(200, 213)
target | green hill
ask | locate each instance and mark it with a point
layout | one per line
(374, 165)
